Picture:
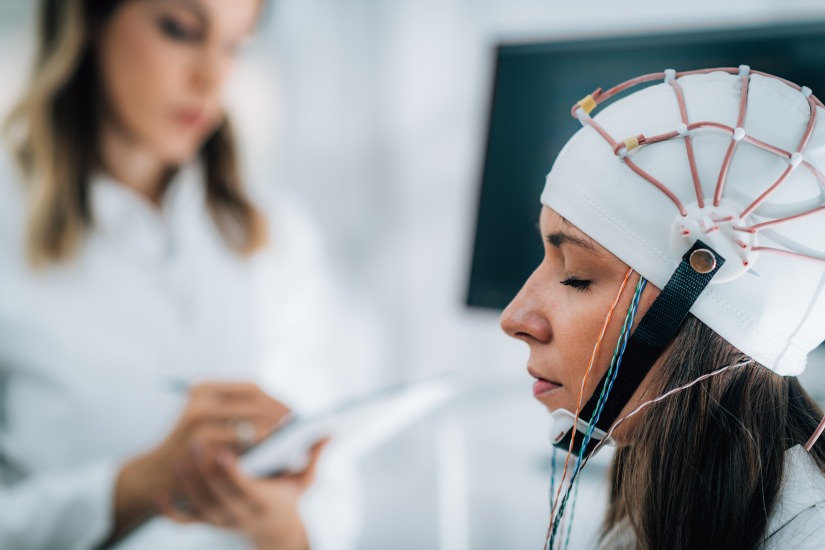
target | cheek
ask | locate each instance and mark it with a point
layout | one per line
(143, 76)
(576, 337)
(577, 333)
(135, 72)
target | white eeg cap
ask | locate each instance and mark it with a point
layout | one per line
(769, 305)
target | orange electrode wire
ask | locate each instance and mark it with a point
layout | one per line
(584, 382)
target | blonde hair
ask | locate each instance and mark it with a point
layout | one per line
(53, 134)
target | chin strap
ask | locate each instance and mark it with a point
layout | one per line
(655, 331)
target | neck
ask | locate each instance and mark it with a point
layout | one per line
(133, 165)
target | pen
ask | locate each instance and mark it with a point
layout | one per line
(174, 384)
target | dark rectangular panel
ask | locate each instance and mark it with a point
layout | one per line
(534, 87)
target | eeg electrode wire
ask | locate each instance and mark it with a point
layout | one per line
(618, 361)
(552, 476)
(621, 345)
(584, 382)
(572, 510)
(664, 396)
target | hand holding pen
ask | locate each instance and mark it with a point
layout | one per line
(196, 461)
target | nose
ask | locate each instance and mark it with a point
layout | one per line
(525, 318)
(210, 70)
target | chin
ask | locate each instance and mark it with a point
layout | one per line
(175, 154)
(552, 404)
(553, 408)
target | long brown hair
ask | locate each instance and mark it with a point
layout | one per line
(53, 131)
(705, 465)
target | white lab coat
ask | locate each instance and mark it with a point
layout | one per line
(796, 522)
(91, 350)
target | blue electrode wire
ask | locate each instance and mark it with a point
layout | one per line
(552, 478)
(574, 478)
(552, 475)
(612, 373)
(626, 336)
(556, 521)
(572, 513)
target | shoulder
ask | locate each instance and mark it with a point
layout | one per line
(798, 519)
(805, 531)
(12, 197)
(294, 233)
(11, 181)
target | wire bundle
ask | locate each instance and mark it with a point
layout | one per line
(612, 372)
(581, 461)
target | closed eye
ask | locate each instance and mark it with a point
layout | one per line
(178, 31)
(579, 284)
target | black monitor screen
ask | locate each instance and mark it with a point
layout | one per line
(535, 86)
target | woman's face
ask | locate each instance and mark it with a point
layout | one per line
(162, 66)
(561, 309)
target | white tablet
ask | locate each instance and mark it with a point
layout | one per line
(355, 427)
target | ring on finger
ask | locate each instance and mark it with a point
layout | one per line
(244, 433)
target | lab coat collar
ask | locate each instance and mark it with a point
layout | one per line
(111, 200)
(118, 209)
(803, 485)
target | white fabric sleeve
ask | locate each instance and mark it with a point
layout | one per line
(330, 509)
(806, 531)
(72, 509)
(309, 375)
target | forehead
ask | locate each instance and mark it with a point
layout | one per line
(552, 222)
(234, 16)
(561, 235)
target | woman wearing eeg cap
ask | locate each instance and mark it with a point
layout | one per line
(680, 293)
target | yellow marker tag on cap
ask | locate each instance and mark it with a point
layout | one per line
(631, 143)
(588, 104)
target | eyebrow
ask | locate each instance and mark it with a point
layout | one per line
(195, 8)
(559, 238)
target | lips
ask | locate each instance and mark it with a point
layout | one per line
(193, 118)
(542, 385)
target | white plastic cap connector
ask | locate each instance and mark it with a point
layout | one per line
(795, 160)
(670, 75)
(739, 134)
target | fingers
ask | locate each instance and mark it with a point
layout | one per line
(231, 414)
(306, 477)
(196, 491)
(233, 402)
(204, 488)
(236, 392)
(218, 416)
(215, 491)
(206, 409)
(168, 509)
(234, 487)
(226, 389)
(227, 434)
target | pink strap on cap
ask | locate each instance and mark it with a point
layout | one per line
(738, 134)
(622, 149)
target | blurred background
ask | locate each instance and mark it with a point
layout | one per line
(375, 113)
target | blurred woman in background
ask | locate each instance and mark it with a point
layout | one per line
(140, 294)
